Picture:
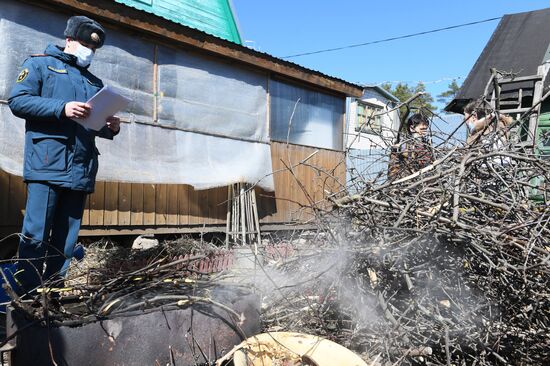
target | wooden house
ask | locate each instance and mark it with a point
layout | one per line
(206, 113)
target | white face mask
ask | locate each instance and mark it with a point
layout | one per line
(84, 55)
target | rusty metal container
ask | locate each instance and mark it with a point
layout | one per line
(195, 335)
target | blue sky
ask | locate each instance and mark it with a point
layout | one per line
(285, 27)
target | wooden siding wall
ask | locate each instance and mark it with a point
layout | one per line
(125, 207)
(315, 173)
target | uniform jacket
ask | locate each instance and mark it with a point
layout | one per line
(57, 149)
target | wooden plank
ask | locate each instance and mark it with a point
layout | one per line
(309, 175)
(204, 206)
(316, 174)
(111, 204)
(341, 171)
(221, 205)
(161, 208)
(172, 210)
(291, 183)
(302, 185)
(327, 174)
(4, 197)
(86, 214)
(305, 192)
(183, 204)
(97, 205)
(217, 206)
(194, 211)
(278, 180)
(330, 181)
(133, 230)
(295, 193)
(124, 203)
(149, 203)
(136, 212)
(284, 182)
(16, 200)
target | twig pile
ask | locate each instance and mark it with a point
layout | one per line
(119, 282)
(449, 265)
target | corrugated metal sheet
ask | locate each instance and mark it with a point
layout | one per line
(210, 16)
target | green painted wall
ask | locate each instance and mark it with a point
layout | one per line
(542, 149)
(543, 131)
(210, 16)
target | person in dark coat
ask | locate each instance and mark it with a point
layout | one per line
(60, 156)
(415, 151)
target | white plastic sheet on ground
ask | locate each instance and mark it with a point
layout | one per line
(212, 126)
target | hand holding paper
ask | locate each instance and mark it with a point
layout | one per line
(104, 104)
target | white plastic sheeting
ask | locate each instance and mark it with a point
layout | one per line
(212, 116)
(214, 159)
(199, 93)
(306, 117)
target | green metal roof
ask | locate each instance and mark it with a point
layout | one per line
(214, 17)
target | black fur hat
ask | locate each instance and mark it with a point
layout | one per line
(86, 30)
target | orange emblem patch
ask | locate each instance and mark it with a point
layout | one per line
(23, 75)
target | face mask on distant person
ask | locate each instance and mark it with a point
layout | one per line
(84, 55)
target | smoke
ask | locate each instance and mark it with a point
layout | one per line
(305, 285)
(354, 290)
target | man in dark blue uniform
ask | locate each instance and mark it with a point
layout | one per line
(61, 158)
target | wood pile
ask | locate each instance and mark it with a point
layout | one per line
(447, 266)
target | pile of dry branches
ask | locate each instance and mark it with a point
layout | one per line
(115, 281)
(449, 265)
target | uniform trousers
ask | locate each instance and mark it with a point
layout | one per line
(50, 231)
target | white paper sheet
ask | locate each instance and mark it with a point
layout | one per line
(105, 103)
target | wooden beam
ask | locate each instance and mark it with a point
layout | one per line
(144, 230)
(119, 15)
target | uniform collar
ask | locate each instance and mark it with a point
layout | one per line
(57, 52)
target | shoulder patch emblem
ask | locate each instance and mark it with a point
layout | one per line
(23, 75)
(59, 71)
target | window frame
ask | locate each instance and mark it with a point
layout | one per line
(309, 88)
(363, 125)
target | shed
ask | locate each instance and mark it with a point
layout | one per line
(520, 50)
(206, 113)
(518, 46)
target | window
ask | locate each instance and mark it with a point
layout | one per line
(368, 118)
(306, 117)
